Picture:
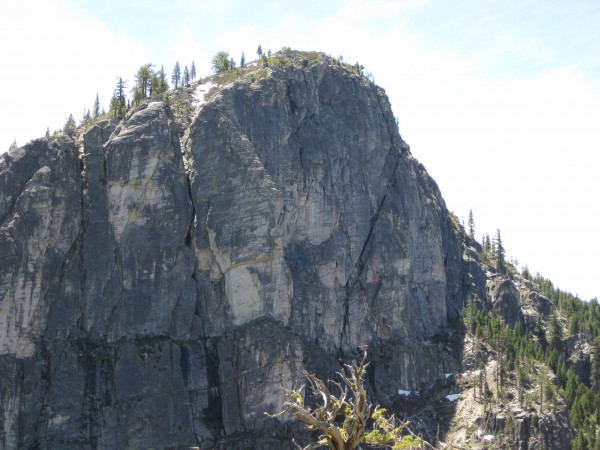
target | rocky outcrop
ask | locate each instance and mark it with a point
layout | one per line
(157, 293)
(506, 300)
(535, 306)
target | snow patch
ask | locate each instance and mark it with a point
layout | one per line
(404, 393)
(488, 437)
(200, 93)
(447, 375)
(452, 397)
(470, 373)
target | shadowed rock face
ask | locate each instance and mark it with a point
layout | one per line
(154, 294)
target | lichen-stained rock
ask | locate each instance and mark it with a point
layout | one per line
(142, 214)
(41, 221)
(311, 210)
(40, 224)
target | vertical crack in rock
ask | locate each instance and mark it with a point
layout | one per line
(121, 299)
(213, 413)
(417, 296)
(359, 266)
(184, 364)
(192, 225)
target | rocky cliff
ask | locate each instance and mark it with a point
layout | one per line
(160, 282)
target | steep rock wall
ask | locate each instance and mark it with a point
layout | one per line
(158, 295)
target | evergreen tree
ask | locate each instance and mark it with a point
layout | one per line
(243, 60)
(137, 97)
(500, 252)
(471, 224)
(159, 82)
(47, 133)
(186, 76)
(595, 371)
(573, 325)
(70, 125)
(193, 71)
(176, 76)
(116, 107)
(555, 332)
(259, 51)
(488, 244)
(143, 79)
(120, 91)
(13, 146)
(87, 117)
(96, 109)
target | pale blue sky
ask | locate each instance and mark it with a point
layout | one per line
(500, 100)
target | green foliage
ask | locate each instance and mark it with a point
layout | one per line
(543, 346)
(143, 79)
(116, 108)
(186, 76)
(149, 83)
(119, 93)
(221, 62)
(70, 126)
(193, 71)
(454, 220)
(137, 97)
(595, 370)
(555, 332)
(309, 56)
(160, 85)
(386, 432)
(500, 252)
(96, 108)
(176, 76)
(471, 224)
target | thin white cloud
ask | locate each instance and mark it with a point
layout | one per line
(59, 58)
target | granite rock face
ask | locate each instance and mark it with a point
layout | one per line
(506, 300)
(157, 293)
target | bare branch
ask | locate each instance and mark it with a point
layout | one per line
(353, 405)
